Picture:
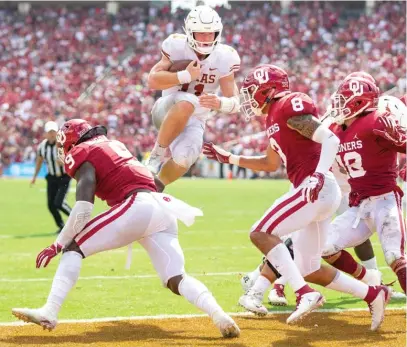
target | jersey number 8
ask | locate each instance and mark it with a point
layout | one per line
(297, 104)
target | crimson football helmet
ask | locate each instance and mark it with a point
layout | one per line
(69, 135)
(354, 96)
(263, 84)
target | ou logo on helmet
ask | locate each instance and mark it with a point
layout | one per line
(261, 75)
(61, 137)
(356, 87)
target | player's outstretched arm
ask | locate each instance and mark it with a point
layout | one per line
(82, 210)
(229, 102)
(311, 128)
(80, 214)
(268, 162)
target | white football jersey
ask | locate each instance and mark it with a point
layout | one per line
(223, 61)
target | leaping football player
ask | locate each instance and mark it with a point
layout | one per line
(189, 95)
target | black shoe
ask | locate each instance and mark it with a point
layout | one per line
(59, 230)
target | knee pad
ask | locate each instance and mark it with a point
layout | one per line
(186, 156)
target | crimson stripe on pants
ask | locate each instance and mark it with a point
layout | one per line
(276, 209)
(286, 214)
(94, 220)
(401, 220)
(107, 221)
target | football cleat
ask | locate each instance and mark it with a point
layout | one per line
(277, 297)
(306, 303)
(38, 316)
(253, 302)
(372, 277)
(378, 305)
(397, 295)
(226, 325)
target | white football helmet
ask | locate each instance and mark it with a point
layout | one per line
(203, 19)
(396, 107)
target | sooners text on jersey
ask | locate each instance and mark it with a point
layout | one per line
(299, 154)
(117, 171)
(369, 160)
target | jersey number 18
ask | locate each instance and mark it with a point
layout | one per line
(352, 163)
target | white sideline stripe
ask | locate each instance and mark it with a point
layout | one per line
(45, 279)
(137, 250)
(129, 277)
(180, 316)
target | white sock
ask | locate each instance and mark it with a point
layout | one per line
(281, 259)
(261, 285)
(65, 278)
(282, 281)
(346, 284)
(370, 264)
(199, 295)
(158, 150)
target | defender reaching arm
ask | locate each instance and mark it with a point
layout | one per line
(80, 215)
(268, 162)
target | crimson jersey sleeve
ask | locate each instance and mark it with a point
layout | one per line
(76, 157)
(298, 104)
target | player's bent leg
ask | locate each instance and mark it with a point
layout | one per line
(168, 260)
(65, 278)
(185, 150)
(344, 261)
(377, 297)
(266, 235)
(252, 300)
(171, 171)
(390, 227)
(366, 255)
(173, 123)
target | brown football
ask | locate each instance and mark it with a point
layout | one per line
(179, 65)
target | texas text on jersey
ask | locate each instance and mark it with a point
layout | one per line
(117, 172)
(223, 61)
(299, 154)
(369, 160)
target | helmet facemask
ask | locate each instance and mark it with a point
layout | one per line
(249, 105)
(201, 47)
(345, 108)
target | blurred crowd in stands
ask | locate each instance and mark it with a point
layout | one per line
(50, 56)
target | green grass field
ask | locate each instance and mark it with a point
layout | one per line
(216, 248)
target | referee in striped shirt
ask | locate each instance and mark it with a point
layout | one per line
(57, 179)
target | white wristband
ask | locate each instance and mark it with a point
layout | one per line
(229, 105)
(184, 77)
(234, 159)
